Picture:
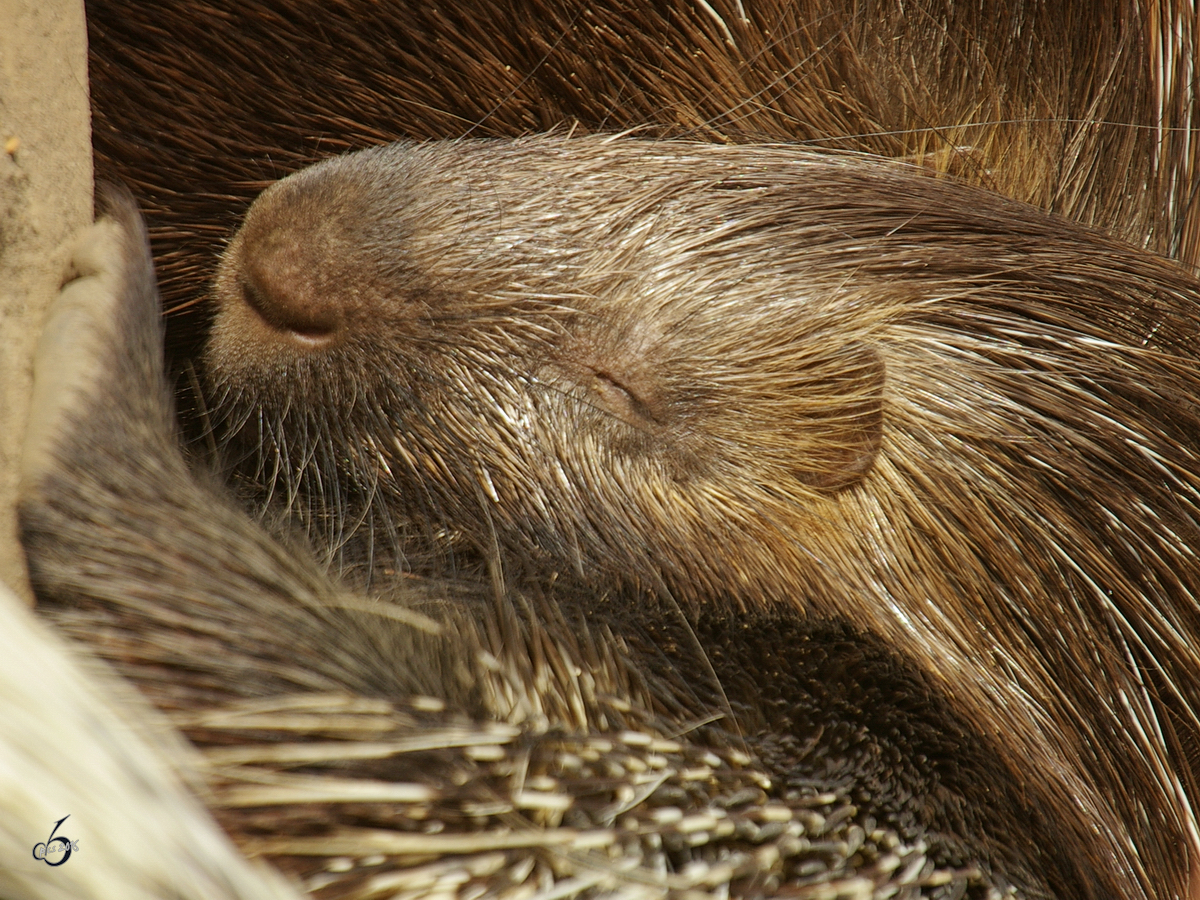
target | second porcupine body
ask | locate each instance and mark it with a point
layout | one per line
(1140, 207)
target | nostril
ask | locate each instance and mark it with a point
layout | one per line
(279, 278)
(308, 269)
(288, 304)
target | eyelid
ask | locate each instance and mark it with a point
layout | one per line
(622, 400)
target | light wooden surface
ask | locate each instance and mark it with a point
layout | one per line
(45, 196)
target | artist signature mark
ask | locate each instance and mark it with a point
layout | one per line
(55, 845)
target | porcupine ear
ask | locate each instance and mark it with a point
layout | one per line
(851, 431)
(823, 423)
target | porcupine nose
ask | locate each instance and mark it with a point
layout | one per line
(276, 281)
(283, 273)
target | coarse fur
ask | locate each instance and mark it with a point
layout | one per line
(736, 378)
(436, 742)
(999, 513)
(78, 744)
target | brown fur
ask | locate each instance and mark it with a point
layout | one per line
(971, 454)
(1083, 110)
(441, 742)
(753, 377)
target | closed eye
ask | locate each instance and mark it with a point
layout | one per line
(621, 401)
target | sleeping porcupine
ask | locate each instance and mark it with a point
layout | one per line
(892, 477)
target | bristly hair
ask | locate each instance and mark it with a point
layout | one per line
(1071, 355)
(764, 378)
